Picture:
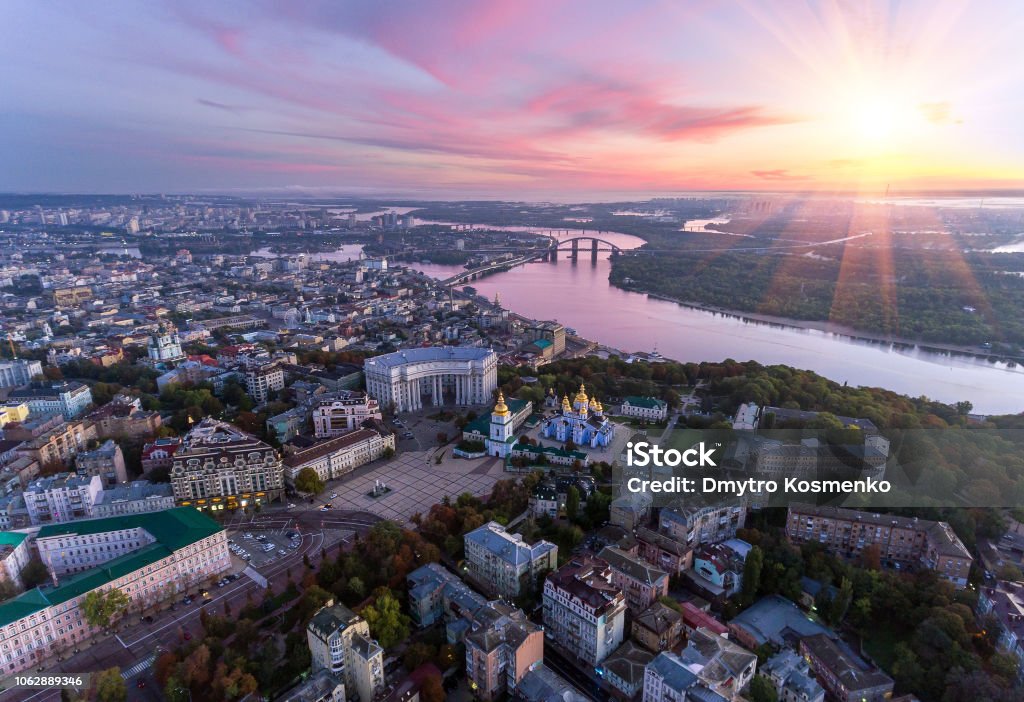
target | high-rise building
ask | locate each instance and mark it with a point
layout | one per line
(503, 563)
(501, 647)
(584, 612)
(339, 642)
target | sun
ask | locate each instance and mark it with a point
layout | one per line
(878, 120)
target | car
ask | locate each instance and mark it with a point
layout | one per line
(293, 546)
(292, 535)
(407, 435)
(282, 552)
(397, 422)
(323, 508)
(187, 600)
(233, 577)
(148, 619)
(220, 583)
(246, 557)
(187, 636)
(291, 505)
(334, 495)
(261, 537)
(140, 683)
(247, 536)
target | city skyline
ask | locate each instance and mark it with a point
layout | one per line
(534, 100)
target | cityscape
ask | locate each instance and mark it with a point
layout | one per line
(398, 352)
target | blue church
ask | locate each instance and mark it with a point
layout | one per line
(583, 422)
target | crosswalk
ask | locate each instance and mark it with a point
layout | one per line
(138, 667)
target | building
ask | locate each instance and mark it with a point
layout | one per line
(133, 498)
(124, 418)
(14, 556)
(319, 687)
(719, 567)
(71, 296)
(897, 542)
(720, 664)
(164, 347)
(844, 676)
(650, 409)
(343, 412)
(160, 453)
(773, 620)
(333, 458)
(624, 670)
(694, 524)
(483, 427)
(502, 646)
(551, 332)
(57, 444)
(657, 628)
(668, 678)
(436, 595)
(790, 675)
(62, 498)
(18, 372)
(584, 613)
(107, 461)
(1004, 604)
(460, 375)
(339, 642)
(545, 685)
(13, 413)
(69, 398)
(674, 557)
(263, 379)
(503, 564)
(172, 551)
(630, 510)
(696, 618)
(219, 466)
(641, 583)
(545, 500)
(582, 422)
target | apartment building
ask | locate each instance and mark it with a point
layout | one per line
(69, 398)
(218, 466)
(502, 646)
(1005, 603)
(720, 665)
(584, 613)
(695, 524)
(183, 548)
(107, 461)
(339, 642)
(342, 412)
(57, 445)
(263, 379)
(436, 595)
(333, 458)
(844, 676)
(657, 628)
(503, 564)
(14, 556)
(790, 675)
(61, 498)
(133, 498)
(641, 583)
(674, 557)
(900, 542)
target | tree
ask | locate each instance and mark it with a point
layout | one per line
(110, 686)
(432, 690)
(34, 574)
(761, 690)
(308, 480)
(102, 608)
(964, 408)
(752, 573)
(572, 503)
(387, 623)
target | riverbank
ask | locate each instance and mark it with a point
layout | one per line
(831, 328)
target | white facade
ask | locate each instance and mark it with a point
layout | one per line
(339, 642)
(456, 374)
(334, 458)
(62, 498)
(14, 555)
(18, 372)
(261, 381)
(69, 398)
(649, 408)
(504, 562)
(583, 612)
(165, 346)
(343, 412)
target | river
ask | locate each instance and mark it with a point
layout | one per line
(579, 296)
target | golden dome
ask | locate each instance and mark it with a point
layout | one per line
(581, 396)
(595, 406)
(501, 408)
(565, 402)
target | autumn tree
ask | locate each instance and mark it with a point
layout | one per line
(102, 608)
(110, 686)
(387, 623)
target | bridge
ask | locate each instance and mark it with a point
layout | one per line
(573, 247)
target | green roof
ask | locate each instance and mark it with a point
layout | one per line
(648, 402)
(542, 343)
(551, 450)
(173, 529)
(11, 538)
(482, 424)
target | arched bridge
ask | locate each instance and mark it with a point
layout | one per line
(573, 246)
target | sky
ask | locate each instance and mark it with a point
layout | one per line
(510, 98)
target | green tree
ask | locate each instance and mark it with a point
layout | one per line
(387, 623)
(572, 503)
(34, 574)
(761, 690)
(308, 480)
(752, 573)
(102, 608)
(110, 686)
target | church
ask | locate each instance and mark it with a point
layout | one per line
(583, 422)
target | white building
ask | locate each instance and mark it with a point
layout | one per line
(343, 412)
(583, 612)
(133, 498)
(62, 498)
(14, 555)
(650, 408)
(333, 458)
(505, 564)
(339, 642)
(165, 346)
(261, 380)
(67, 398)
(462, 375)
(177, 549)
(218, 465)
(18, 372)
(747, 417)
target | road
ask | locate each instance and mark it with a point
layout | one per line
(137, 641)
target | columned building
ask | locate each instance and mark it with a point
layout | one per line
(434, 376)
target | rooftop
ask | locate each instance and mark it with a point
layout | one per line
(432, 353)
